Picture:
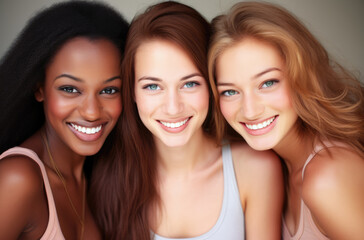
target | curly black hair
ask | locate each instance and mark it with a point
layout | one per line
(22, 69)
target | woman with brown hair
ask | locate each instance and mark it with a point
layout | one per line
(186, 185)
(279, 90)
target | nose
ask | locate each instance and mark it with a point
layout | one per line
(90, 108)
(252, 106)
(173, 103)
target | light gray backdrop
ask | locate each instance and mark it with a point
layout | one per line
(338, 24)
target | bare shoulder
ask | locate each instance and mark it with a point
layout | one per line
(21, 192)
(333, 168)
(333, 190)
(261, 188)
(256, 169)
(247, 158)
(21, 174)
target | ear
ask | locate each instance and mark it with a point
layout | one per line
(39, 94)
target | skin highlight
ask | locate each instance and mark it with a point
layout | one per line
(255, 91)
(179, 96)
(306, 101)
(172, 118)
(62, 102)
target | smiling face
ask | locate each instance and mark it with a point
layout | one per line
(254, 93)
(81, 94)
(171, 94)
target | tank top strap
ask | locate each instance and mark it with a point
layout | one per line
(318, 148)
(228, 168)
(53, 230)
(230, 223)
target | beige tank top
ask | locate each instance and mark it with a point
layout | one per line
(307, 229)
(53, 231)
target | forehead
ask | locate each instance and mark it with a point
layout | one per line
(161, 58)
(249, 56)
(82, 48)
(84, 58)
(160, 49)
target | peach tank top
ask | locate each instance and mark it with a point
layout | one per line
(307, 229)
(53, 231)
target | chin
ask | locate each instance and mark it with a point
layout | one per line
(175, 142)
(260, 145)
(88, 150)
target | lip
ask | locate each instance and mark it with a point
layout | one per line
(260, 131)
(87, 133)
(174, 126)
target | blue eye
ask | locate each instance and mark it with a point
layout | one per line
(68, 89)
(190, 84)
(269, 83)
(152, 87)
(110, 90)
(229, 93)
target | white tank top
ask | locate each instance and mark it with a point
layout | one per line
(230, 224)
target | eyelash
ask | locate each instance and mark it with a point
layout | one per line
(113, 89)
(193, 83)
(224, 93)
(231, 92)
(273, 81)
(73, 90)
(69, 89)
(149, 86)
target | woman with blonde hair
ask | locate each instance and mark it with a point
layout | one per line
(279, 90)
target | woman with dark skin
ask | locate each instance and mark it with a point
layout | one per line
(60, 102)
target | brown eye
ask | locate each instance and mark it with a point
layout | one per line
(68, 89)
(110, 90)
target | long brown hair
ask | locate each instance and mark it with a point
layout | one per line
(137, 192)
(328, 99)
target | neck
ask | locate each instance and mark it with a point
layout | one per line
(69, 163)
(187, 158)
(294, 150)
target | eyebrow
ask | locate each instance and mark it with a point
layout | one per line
(266, 71)
(224, 84)
(159, 80)
(80, 80)
(191, 76)
(254, 77)
(149, 78)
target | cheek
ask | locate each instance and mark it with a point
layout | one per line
(144, 104)
(283, 99)
(200, 100)
(56, 107)
(228, 109)
(114, 108)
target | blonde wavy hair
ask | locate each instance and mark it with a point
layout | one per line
(327, 98)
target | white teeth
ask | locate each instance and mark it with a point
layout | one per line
(174, 125)
(87, 130)
(260, 125)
